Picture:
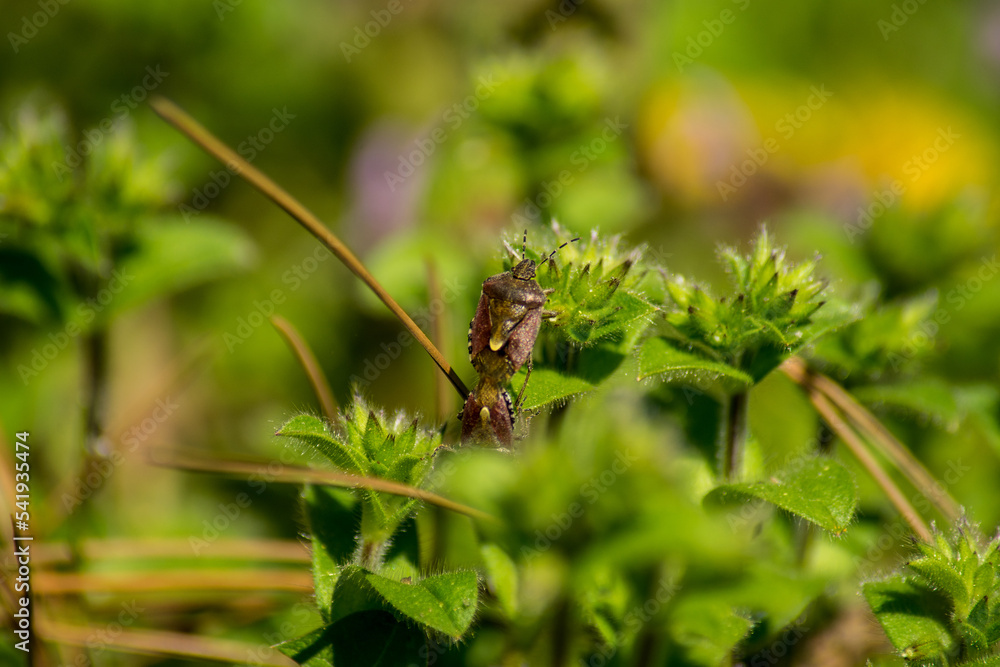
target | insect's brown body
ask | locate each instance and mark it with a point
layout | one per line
(501, 338)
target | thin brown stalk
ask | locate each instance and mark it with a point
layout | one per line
(876, 432)
(271, 551)
(296, 475)
(188, 126)
(155, 642)
(242, 580)
(857, 447)
(320, 385)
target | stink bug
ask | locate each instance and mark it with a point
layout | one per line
(488, 413)
(510, 312)
(501, 338)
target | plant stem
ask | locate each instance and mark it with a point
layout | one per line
(95, 354)
(370, 554)
(734, 437)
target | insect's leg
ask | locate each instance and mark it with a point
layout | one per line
(520, 394)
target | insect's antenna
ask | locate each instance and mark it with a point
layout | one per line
(524, 242)
(552, 254)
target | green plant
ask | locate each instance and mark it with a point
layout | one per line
(944, 607)
(584, 545)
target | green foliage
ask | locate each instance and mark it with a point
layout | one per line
(597, 310)
(598, 288)
(454, 122)
(888, 339)
(818, 490)
(369, 444)
(366, 577)
(68, 226)
(609, 541)
(559, 145)
(661, 356)
(770, 312)
(364, 628)
(946, 608)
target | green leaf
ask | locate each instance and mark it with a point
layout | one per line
(661, 356)
(819, 490)
(914, 618)
(363, 629)
(941, 575)
(173, 255)
(706, 629)
(28, 288)
(364, 638)
(546, 386)
(501, 576)
(312, 431)
(332, 523)
(310, 650)
(444, 602)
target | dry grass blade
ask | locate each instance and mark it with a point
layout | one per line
(243, 580)
(187, 125)
(857, 447)
(295, 475)
(166, 644)
(271, 551)
(876, 433)
(320, 385)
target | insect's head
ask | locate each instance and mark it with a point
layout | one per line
(525, 269)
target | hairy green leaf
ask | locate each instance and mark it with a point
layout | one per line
(501, 575)
(444, 602)
(819, 490)
(663, 356)
(914, 618)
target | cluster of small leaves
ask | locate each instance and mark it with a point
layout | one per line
(378, 620)
(888, 339)
(603, 543)
(376, 607)
(770, 312)
(70, 216)
(366, 443)
(772, 303)
(91, 203)
(598, 287)
(598, 309)
(946, 608)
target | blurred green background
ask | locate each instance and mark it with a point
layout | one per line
(422, 132)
